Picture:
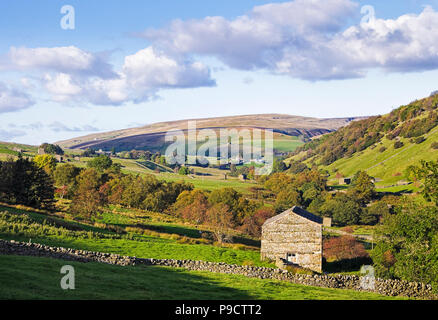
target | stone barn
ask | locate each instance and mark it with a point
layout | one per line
(294, 236)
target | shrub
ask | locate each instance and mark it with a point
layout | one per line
(248, 263)
(434, 146)
(342, 248)
(382, 149)
(398, 145)
(419, 140)
(299, 270)
(348, 229)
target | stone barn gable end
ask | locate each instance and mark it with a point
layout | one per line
(295, 236)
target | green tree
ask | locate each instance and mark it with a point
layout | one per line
(363, 188)
(100, 163)
(279, 165)
(52, 149)
(427, 172)
(407, 248)
(184, 171)
(286, 199)
(343, 210)
(65, 178)
(66, 174)
(23, 182)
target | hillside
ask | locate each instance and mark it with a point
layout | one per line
(151, 137)
(384, 146)
(8, 149)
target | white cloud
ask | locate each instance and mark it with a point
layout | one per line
(150, 68)
(307, 39)
(69, 60)
(61, 86)
(143, 74)
(408, 43)
(12, 100)
(259, 39)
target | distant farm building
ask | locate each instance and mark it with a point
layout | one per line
(16, 149)
(41, 151)
(344, 181)
(295, 237)
(242, 177)
(327, 222)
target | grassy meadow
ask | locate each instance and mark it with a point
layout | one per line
(144, 235)
(39, 278)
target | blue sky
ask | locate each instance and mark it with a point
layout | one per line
(149, 61)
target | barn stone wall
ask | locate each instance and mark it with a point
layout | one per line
(293, 234)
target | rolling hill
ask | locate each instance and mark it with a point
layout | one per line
(384, 146)
(287, 129)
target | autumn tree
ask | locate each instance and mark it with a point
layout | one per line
(220, 219)
(87, 200)
(193, 206)
(46, 162)
(252, 224)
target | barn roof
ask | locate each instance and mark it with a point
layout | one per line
(298, 211)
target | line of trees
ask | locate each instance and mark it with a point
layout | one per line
(102, 183)
(222, 209)
(309, 190)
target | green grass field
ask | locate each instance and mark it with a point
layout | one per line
(6, 150)
(284, 143)
(212, 182)
(39, 278)
(138, 245)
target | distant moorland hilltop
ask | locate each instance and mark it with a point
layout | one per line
(152, 136)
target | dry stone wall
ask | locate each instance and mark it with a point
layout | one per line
(385, 287)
